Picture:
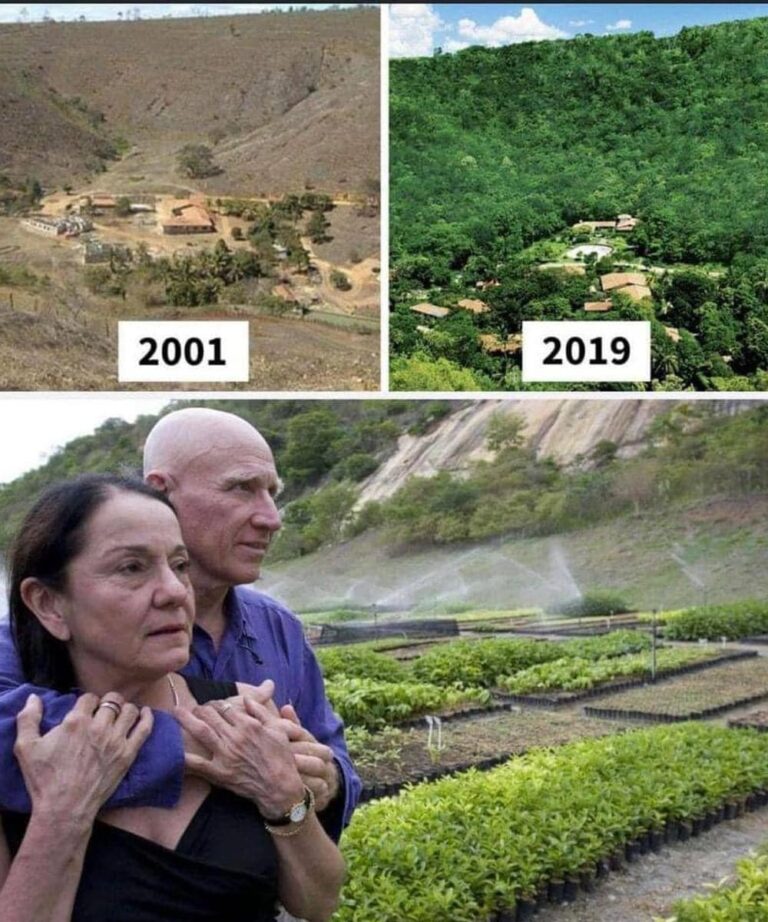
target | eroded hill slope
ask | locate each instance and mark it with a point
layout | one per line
(285, 98)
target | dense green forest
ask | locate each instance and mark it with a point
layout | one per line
(498, 154)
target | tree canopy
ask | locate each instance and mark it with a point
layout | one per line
(496, 154)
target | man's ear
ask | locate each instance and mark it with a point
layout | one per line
(47, 606)
(159, 480)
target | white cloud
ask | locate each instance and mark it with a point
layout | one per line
(621, 24)
(509, 30)
(577, 23)
(452, 44)
(412, 28)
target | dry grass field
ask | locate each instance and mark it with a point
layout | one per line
(288, 98)
(287, 102)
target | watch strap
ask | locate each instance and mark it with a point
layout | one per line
(286, 825)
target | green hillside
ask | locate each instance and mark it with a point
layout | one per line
(497, 154)
(335, 441)
(692, 455)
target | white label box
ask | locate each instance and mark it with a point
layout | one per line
(586, 351)
(182, 350)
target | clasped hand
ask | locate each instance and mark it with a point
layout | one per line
(73, 769)
(259, 752)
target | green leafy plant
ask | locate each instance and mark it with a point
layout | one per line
(462, 848)
(711, 622)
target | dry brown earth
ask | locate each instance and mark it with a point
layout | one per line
(289, 98)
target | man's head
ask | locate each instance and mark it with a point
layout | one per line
(220, 475)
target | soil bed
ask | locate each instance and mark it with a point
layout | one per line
(696, 694)
(401, 755)
(757, 720)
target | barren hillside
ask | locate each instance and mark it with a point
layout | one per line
(286, 99)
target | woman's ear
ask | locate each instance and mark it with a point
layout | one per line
(47, 605)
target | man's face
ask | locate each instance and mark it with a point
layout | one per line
(225, 501)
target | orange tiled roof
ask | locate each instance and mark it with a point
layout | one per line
(188, 214)
(474, 305)
(618, 279)
(636, 292)
(490, 342)
(430, 310)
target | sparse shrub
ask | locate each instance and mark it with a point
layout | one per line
(123, 207)
(195, 161)
(595, 603)
(340, 281)
(237, 233)
(216, 134)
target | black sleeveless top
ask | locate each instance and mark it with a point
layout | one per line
(224, 868)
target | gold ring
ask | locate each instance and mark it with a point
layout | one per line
(112, 705)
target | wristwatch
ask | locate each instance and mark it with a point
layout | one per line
(293, 821)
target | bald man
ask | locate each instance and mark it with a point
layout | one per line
(220, 475)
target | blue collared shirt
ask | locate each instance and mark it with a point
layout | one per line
(262, 640)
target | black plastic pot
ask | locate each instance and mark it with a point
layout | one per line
(697, 826)
(587, 879)
(507, 915)
(525, 909)
(671, 832)
(603, 867)
(632, 851)
(556, 890)
(571, 889)
(730, 810)
(684, 831)
(617, 859)
(644, 841)
(656, 840)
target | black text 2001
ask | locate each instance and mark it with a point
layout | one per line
(575, 351)
(171, 351)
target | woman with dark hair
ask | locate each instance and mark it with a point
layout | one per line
(100, 601)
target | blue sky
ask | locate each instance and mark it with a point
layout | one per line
(34, 12)
(417, 28)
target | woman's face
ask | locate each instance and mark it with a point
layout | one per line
(127, 608)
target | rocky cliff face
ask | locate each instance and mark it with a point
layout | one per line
(709, 551)
(561, 429)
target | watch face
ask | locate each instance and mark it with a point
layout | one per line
(298, 812)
